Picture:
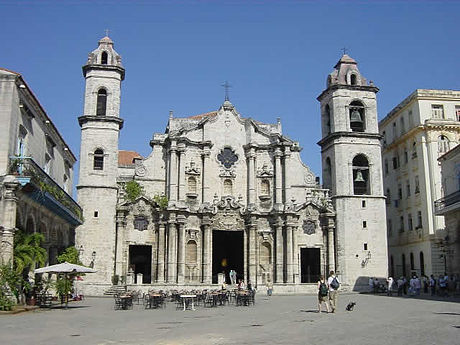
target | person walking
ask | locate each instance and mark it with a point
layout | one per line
(400, 284)
(432, 285)
(333, 284)
(390, 286)
(322, 294)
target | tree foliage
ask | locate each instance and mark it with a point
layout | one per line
(70, 255)
(28, 251)
(133, 190)
(161, 201)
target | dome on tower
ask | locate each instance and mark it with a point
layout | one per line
(104, 54)
(346, 72)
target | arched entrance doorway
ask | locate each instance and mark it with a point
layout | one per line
(227, 254)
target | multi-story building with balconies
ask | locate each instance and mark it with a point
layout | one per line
(449, 207)
(36, 172)
(415, 133)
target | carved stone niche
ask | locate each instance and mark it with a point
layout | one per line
(192, 169)
(230, 221)
(309, 226)
(192, 234)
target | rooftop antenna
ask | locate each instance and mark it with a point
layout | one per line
(345, 50)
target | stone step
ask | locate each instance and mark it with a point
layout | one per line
(115, 289)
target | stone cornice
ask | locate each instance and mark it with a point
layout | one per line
(87, 118)
(118, 69)
(347, 87)
(336, 135)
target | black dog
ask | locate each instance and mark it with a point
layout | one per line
(350, 306)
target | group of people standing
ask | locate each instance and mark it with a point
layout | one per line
(442, 286)
(327, 292)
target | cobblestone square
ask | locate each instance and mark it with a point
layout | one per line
(273, 320)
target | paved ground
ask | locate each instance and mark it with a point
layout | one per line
(275, 320)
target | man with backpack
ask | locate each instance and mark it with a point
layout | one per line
(334, 285)
(322, 294)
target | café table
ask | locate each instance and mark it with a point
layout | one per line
(186, 299)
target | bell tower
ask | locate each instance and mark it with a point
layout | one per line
(352, 170)
(97, 186)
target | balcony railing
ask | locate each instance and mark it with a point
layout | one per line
(449, 200)
(42, 186)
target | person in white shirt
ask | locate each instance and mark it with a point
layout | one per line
(390, 286)
(333, 284)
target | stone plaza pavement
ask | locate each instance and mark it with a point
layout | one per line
(273, 320)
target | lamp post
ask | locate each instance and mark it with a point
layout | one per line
(93, 258)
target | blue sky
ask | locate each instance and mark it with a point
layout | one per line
(276, 55)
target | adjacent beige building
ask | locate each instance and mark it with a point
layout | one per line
(36, 172)
(415, 134)
(449, 207)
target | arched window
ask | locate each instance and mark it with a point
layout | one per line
(412, 263)
(265, 187)
(98, 163)
(101, 102)
(422, 264)
(328, 174)
(353, 79)
(104, 58)
(443, 144)
(403, 265)
(265, 254)
(192, 184)
(191, 253)
(360, 175)
(327, 114)
(228, 187)
(357, 116)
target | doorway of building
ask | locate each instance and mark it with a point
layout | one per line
(310, 265)
(140, 261)
(227, 254)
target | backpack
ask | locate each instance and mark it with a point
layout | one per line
(323, 289)
(335, 283)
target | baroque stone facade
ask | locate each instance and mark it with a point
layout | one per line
(220, 192)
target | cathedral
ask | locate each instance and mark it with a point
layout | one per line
(221, 192)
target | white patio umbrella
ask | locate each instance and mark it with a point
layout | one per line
(66, 268)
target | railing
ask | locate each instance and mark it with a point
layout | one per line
(27, 170)
(451, 199)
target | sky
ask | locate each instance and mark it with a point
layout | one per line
(275, 54)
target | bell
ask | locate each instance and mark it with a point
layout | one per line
(355, 116)
(359, 176)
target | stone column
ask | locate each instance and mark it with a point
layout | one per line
(173, 172)
(250, 154)
(287, 179)
(295, 255)
(330, 245)
(289, 270)
(252, 250)
(161, 253)
(245, 251)
(207, 251)
(119, 241)
(10, 204)
(181, 165)
(181, 252)
(279, 251)
(278, 177)
(172, 253)
(205, 176)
